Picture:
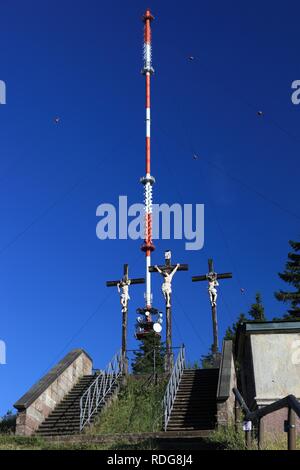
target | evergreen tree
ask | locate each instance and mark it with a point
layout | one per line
(232, 330)
(291, 276)
(208, 361)
(256, 314)
(257, 310)
(8, 423)
(151, 354)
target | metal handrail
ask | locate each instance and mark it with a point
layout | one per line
(241, 401)
(99, 388)
(289, 401)
(173, 385)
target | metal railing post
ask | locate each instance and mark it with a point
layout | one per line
(261, 433)
(291, 429)
(248, 439)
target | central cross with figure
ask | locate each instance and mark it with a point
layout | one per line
(167, 271)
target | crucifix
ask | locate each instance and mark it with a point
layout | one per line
(167, 271)
(212, 277)
(123, 289)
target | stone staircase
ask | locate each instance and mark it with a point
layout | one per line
(195, 405)
(65, 418)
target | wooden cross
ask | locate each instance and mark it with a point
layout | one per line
(212, 277)
(123, 286)
(164, 270)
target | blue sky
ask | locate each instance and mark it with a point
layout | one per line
(81, 60)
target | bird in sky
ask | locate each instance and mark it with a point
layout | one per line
(195, 157)
(191, 57)
(260, 113)
(56, 119)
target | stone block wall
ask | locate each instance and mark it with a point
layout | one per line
(227, 381)
(34, 407)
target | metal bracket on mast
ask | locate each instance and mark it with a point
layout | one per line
(147, 179)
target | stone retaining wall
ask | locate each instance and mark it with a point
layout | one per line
(227, 381)
(34, 407)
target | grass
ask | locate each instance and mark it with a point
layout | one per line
(280, 443)
(224, 438)
(10, 442)
(137, 409)
(227, 438)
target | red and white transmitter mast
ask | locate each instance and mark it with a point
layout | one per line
(148, 180)
(145, 326)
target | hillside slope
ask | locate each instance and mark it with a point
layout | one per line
(138, 408)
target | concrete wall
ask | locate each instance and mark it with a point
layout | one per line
(34, 407)
(276, 365)
(269, 358)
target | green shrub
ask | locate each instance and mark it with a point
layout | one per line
(8, 423)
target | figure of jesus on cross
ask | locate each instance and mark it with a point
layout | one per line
(123, 289)
(212, 284)
(167, 284)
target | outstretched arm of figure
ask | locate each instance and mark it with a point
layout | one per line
(158, 270)
(174, 271)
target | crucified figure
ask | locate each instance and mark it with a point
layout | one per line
(123, 289)
(167, 286)
(212, 284)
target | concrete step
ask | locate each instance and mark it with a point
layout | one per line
(196, 413)
(72, 412)
(201, 373)
(192, 410)
(62, 419)
(202, 393)
(189, 428)
(192, 400)
(74, 401)
(62, 425)
(198, 416)
(190, 424)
